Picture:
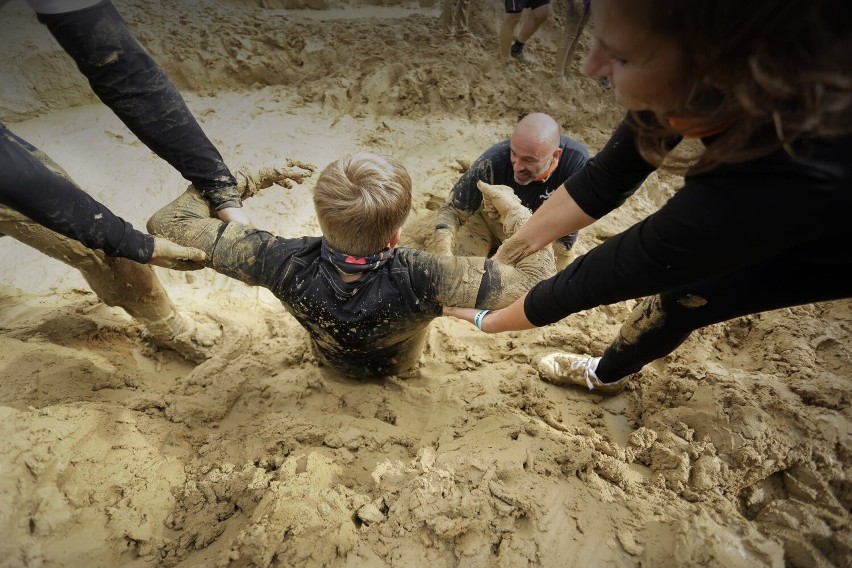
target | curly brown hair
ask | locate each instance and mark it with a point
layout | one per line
(768, 73)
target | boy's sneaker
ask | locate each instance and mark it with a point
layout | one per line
(579, 370)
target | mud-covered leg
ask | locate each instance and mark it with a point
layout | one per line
(119, 282)
(563, 254)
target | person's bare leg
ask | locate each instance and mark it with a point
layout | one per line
(536, 17)
(117, 282)
(462, 17)
(573, 30)
(507, 33)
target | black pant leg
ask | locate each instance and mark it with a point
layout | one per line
(661, 323)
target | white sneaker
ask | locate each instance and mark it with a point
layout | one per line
(569, 369)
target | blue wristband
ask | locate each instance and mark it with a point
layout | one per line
(477, 319)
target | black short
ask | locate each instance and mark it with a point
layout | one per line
(517, 6)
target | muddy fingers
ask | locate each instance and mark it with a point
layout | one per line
(501, 197)
(250, 183)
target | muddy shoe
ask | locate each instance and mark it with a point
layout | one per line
(519, 55)
(192, 336)
(566, 369)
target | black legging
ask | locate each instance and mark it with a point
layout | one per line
(661, 323)
(125, 77)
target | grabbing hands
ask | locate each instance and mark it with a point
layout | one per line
(513, 250)
(169, 254)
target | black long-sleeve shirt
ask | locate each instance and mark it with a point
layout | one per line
(730, 217)
(32, 184)
(128, 81)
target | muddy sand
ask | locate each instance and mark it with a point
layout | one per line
(734, 451)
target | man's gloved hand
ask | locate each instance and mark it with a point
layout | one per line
(169, 254)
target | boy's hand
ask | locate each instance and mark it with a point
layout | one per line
(172, 255)
(250, 183)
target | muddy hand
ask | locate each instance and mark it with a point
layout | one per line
(500, 196)
(250, 183)
(172, 255)
(513, 250)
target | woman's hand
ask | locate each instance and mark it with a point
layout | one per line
(169, 254)
(468, 314)
(510, 318)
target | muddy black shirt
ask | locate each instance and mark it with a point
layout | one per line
(362, 328)
(494, 167)
(728, 218)
(375, 326)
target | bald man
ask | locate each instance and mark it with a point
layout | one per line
(534, 162)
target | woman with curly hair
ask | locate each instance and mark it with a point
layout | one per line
(762, 219)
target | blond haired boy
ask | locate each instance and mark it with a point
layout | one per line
(365, 302)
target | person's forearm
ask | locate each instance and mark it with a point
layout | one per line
(37, 187)
(125, 77)
(76, 215)
(510, 318)
(448, 218)
(559, 215)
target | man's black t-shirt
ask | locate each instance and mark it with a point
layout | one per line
(494, 167)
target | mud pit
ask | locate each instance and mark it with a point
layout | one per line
(734, 452)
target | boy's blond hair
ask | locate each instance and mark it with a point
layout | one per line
(361, 200)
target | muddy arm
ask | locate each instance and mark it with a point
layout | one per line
(486, 283)
(448, 219)
(231, 248)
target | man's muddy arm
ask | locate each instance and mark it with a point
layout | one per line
(231, 248)
(448, 219)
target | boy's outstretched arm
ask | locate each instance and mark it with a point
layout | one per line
(475, 282)
(230, 248)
